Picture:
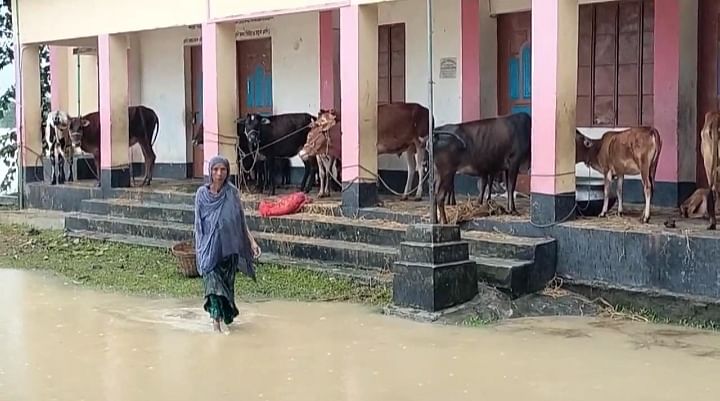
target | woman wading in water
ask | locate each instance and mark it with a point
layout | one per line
(223, 242)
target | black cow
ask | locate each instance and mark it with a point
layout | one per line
(481, 148)
(280, 136)
(251, 163)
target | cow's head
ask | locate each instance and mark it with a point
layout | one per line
(60, 120)
(76, 127)
(318, 136)
(253, 123)
(586, 149)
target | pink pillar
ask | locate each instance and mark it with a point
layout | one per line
(358, 75)
(470, 59)
(554, 76)
(113, 100)
(59, 78)
(327, 60)
(28, 113)
(675, 98)
(220, 103)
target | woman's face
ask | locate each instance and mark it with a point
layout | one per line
(219, 172)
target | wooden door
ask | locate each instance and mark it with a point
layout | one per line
(514, 71)
(254, 69)
(196, 91)
(391, 63)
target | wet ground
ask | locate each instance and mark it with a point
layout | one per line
(59, 342)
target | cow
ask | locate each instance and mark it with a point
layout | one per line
(324, 143)
(59, 149)
(143, 127)
(402, 128)
(252, 165)
(618, 153)
(709, 137)
(696, 206)
(481, 148)
(279, 136)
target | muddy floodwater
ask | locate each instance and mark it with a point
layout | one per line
(61, 342)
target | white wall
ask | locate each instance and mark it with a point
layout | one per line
(296, 71)
(162, 88)
(446, 43)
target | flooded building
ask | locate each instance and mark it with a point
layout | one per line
(582, 64)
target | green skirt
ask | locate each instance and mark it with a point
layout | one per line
(220, 291)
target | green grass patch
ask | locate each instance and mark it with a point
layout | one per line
(150, 271)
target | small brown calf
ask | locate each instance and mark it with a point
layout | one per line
(618, 153)
(696, 206)
(324, 143)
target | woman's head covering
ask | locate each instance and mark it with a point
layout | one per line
(219, 160)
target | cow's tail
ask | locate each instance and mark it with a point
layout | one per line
(655, 158)
(157, 129)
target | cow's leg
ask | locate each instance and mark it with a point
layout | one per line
(321, 169)
(619, 191)
(442, 190)
(711, 207)
(511, 180)
(270, 163)
(411, 167)
(149, 155)
(647, 189)
(53, 168)
(606, 200)
(481, 185)
(71, 162)
(61, 166)
(420, 161)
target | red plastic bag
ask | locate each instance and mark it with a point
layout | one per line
(284, 205)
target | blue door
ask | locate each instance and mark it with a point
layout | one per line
(254, 63)
(520, 88)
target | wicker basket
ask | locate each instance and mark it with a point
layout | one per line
(185, 254)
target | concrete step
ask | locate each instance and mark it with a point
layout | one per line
(375, 232)
(501, 245)
(365, 276)
(340, 253)
(9, 200)
(508, 274)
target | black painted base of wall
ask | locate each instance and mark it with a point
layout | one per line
(114, 178)
(34, 174)
(173, 171)
(655, 260)
(359, 195)
(548, 209)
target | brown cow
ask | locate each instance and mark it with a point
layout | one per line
(696, 206)
(325, 144)
(709, 137)
(618, 153)
(403, 128)
(143, 126)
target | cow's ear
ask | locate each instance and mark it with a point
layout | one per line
(587, 143)
(265, 121)
(85, 123)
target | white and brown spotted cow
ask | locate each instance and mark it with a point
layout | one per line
(59, 148)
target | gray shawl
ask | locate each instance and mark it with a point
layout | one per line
(220, 226)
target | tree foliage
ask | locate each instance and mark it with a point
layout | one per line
(8, 141)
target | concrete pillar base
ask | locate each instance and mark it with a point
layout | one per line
(549, 209)
(359, 195)
(115, 178)
(434, 271)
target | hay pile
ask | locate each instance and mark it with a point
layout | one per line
(471, 209)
